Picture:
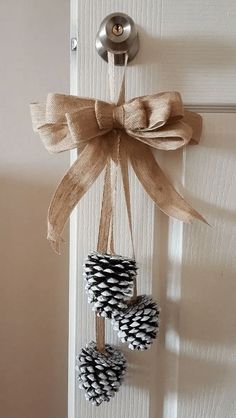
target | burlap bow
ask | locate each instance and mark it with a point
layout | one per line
(158, 121)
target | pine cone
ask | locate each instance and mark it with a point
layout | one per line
(138, 324)
(109, 282)
(100, 375)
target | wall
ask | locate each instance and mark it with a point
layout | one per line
(189, 372)
(34, 45)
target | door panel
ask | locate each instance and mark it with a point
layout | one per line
(186, 46)
(196, 52)
(207, 363)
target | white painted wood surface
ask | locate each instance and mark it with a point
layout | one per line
(207, 363)
(190, 372)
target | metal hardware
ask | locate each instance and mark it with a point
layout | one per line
(117, 29)
(73, 44)
(117, 34)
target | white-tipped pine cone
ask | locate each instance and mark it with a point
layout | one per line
(100, 375)
(109, 282)
(138, 324)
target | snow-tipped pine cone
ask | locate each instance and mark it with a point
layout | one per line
(100, 375)
(109, 282)
(138, 324)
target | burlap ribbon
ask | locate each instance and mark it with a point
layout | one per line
(156, 121)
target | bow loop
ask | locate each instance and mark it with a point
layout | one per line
(162, 109)
(80, 129)
(58, 105)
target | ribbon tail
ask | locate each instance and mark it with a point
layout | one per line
(125, 180)
(157, 184)
(76, 182)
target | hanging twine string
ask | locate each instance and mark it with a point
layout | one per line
(121, 161)
(117, 96)
(125, 179)
(106, 226)
(102, 245)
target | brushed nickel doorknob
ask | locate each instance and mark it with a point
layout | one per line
(117, 34)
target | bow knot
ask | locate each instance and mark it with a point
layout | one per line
(128, 116)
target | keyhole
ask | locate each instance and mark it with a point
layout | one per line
(117, 29)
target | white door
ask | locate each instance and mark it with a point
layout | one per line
(190, 372)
